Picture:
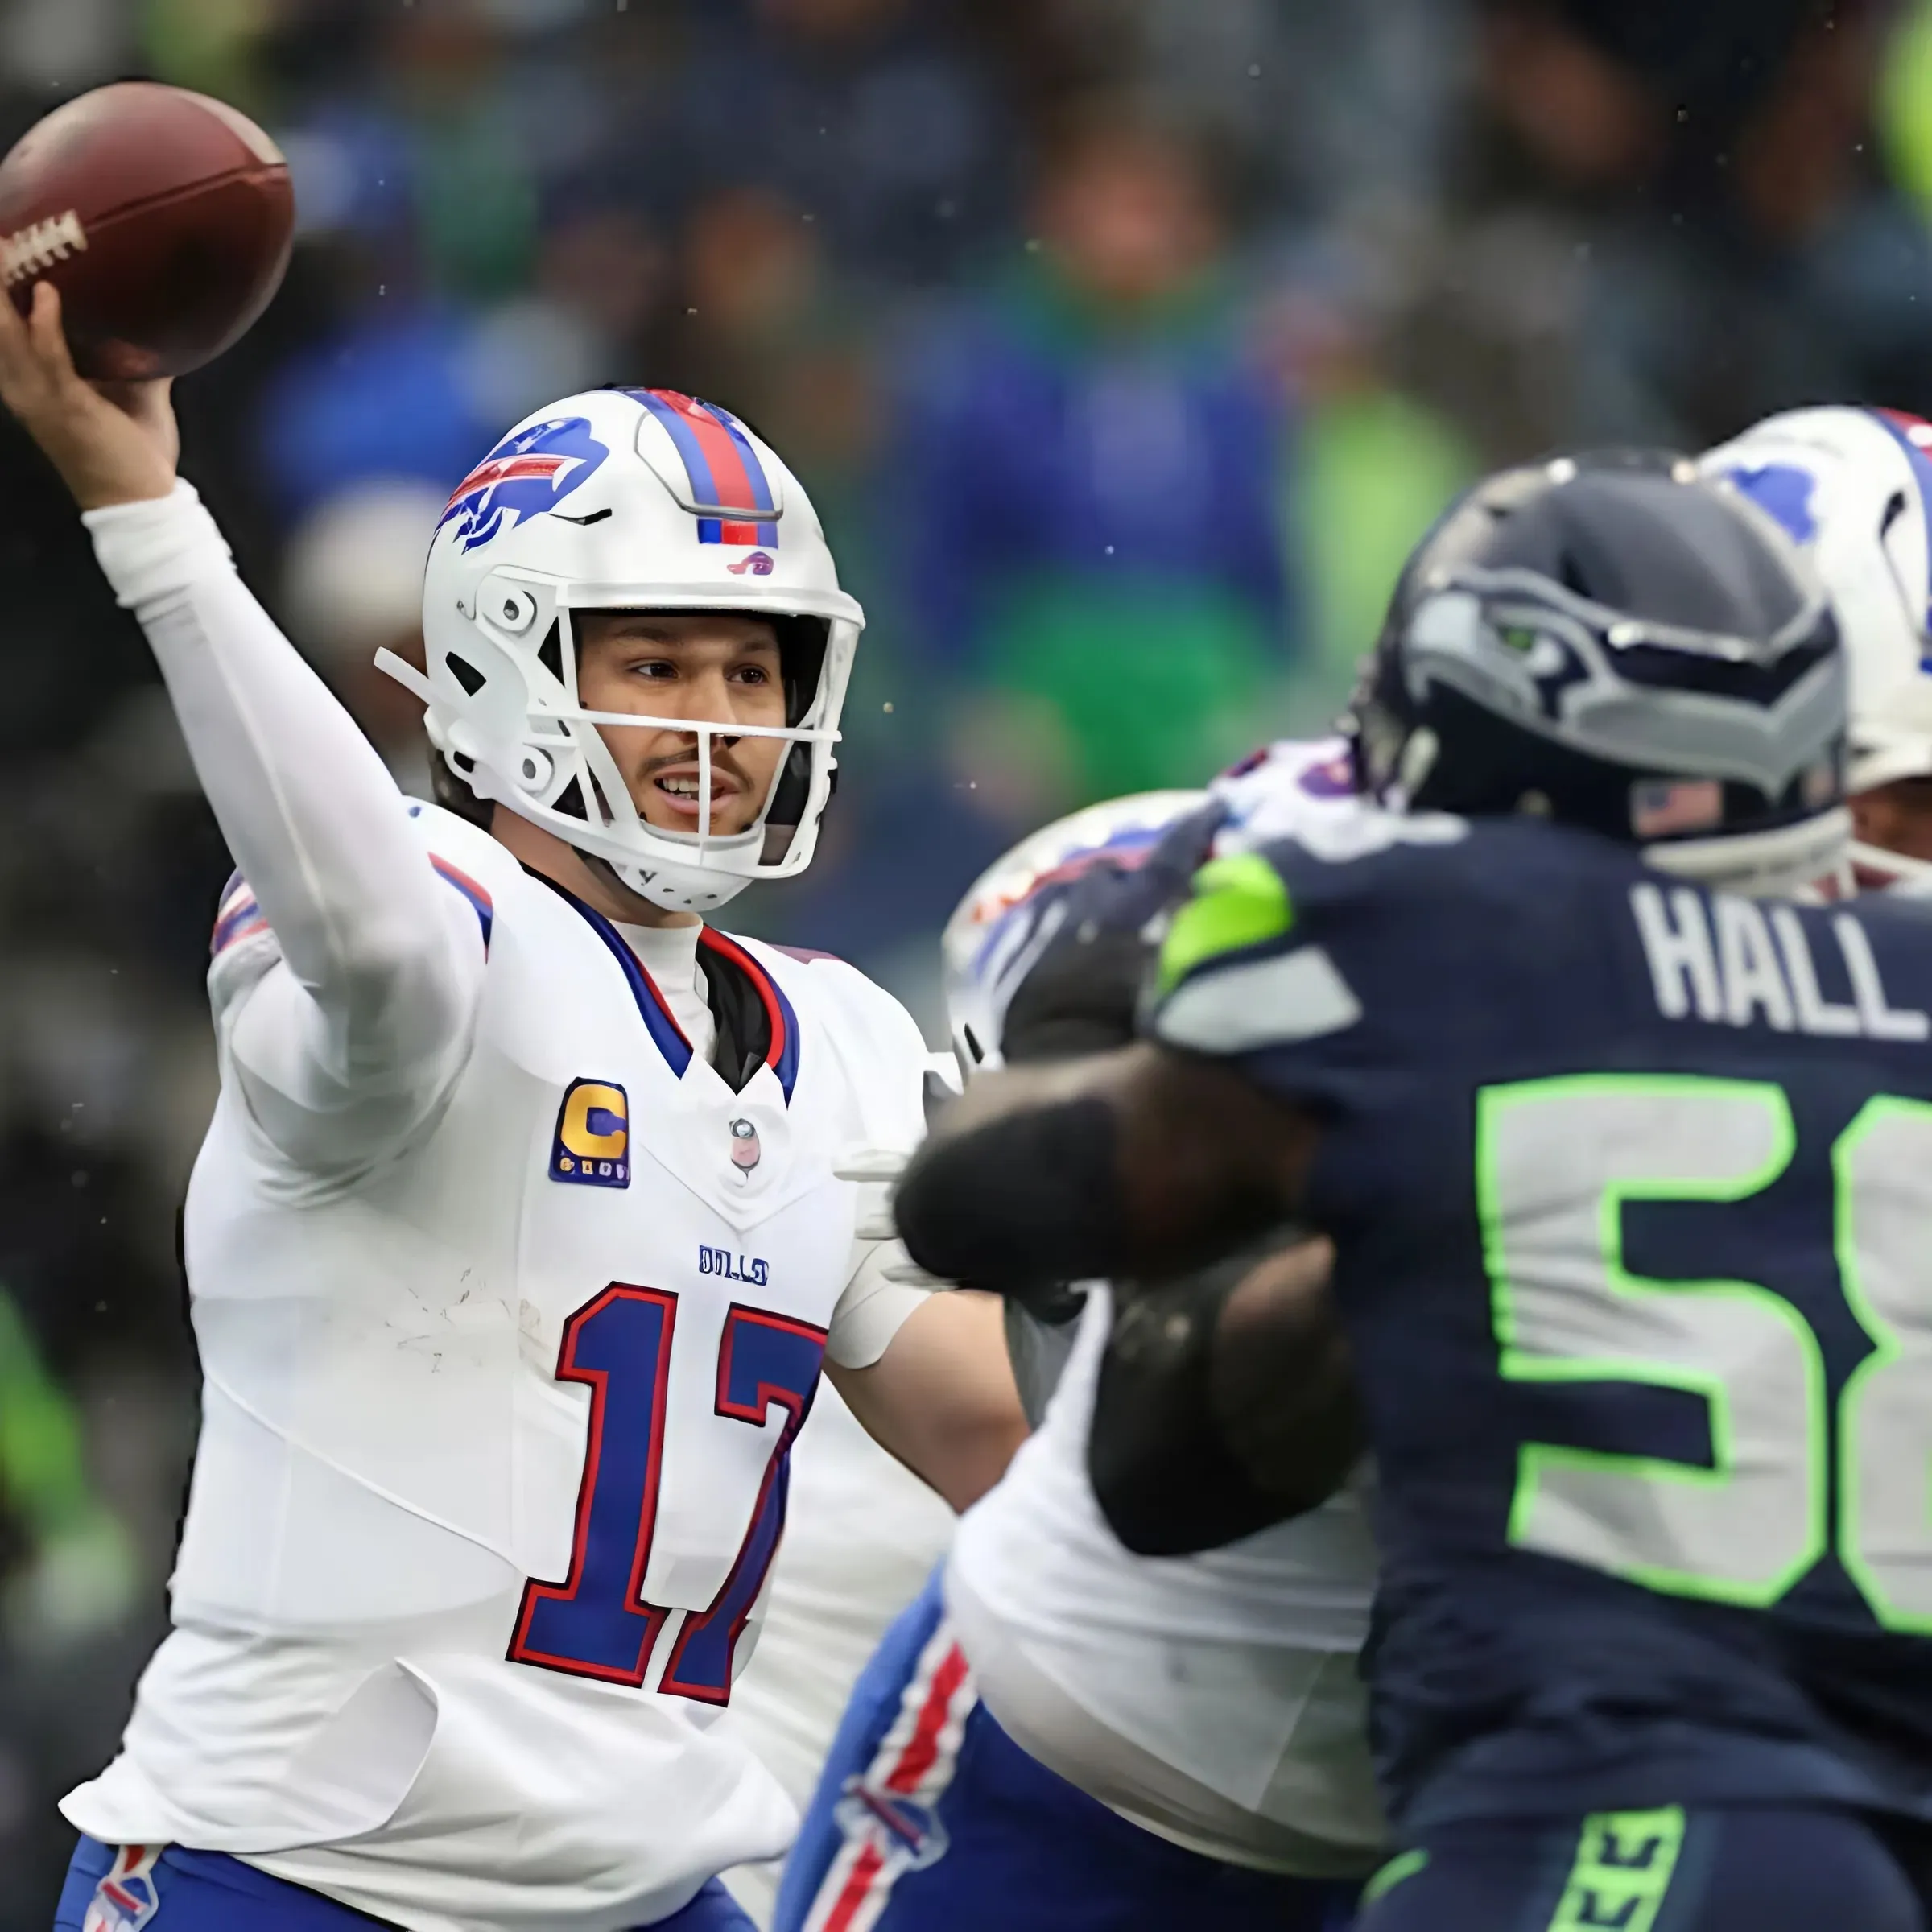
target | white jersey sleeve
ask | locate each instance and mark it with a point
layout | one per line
(873, 1309)
(886, 1061)
(345, 1014)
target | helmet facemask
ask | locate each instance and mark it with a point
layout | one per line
(512, 724)
(642, 501)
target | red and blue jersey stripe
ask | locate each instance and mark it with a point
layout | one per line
(734, 497)
(654, 1009)
(240, 916)
(480, 902)
(782, 1051)
(782, 1022)
(127, 1896)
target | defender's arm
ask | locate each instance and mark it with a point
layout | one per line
(1226, 1404)
(1142, 1162)
(1225, 1401)
(351, 1046)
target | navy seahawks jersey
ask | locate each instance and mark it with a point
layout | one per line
(1631, 1187)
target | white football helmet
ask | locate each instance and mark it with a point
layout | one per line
(1010, 913)
(1854, 487)
(629, 500)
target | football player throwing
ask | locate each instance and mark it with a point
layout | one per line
(514, 1246)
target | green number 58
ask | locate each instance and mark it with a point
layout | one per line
(1556, 1162)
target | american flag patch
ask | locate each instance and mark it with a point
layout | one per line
(1660, 808)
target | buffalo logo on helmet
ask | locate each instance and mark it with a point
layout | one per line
(757, 564)
(532, 470)
(1783, 491)
(1126, 847)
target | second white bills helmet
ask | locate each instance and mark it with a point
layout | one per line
(1854, 487)
(1012, 911)
(629, 500)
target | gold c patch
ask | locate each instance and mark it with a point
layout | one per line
(591, 1146)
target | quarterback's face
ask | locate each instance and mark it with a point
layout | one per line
(710, 666)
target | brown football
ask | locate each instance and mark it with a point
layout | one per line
(163, 218)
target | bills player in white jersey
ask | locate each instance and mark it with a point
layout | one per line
(515, 1246)
(1854, 487)
(1213, 1702)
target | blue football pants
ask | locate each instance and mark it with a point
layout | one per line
(928, 1818)
(180, 1891)
(1672, 1870)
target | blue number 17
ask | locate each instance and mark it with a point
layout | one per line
(596, 1623)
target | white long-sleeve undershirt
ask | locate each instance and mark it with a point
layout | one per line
(357, 1035)
(669, 955)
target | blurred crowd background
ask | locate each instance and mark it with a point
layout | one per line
(1126, 346)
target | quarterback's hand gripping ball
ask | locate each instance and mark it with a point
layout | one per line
(112, 443)
(164, 219)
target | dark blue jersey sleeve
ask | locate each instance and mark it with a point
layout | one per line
(1338, 980)
(1080, 965)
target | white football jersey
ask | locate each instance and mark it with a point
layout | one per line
(1235, 1667)
(493, 1455)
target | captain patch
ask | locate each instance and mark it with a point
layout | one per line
(592, 1142)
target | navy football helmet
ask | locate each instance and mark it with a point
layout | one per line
(1617, 643)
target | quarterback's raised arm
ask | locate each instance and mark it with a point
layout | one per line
(353, 1045)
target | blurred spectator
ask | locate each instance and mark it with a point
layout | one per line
(352, 586)
(587, 317)
(1329, 108)
(764, 333)
(1905, 103)
(763, 326)
(212, 46)
(473, 172)
(1085, 474)
(600, 263)
(69, 1563)
(877, 117)
(385, 398)
(457, 316)
(423, 387)
(66, 44)
(96, 1427)
(1375, 465)
(1672, 219)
